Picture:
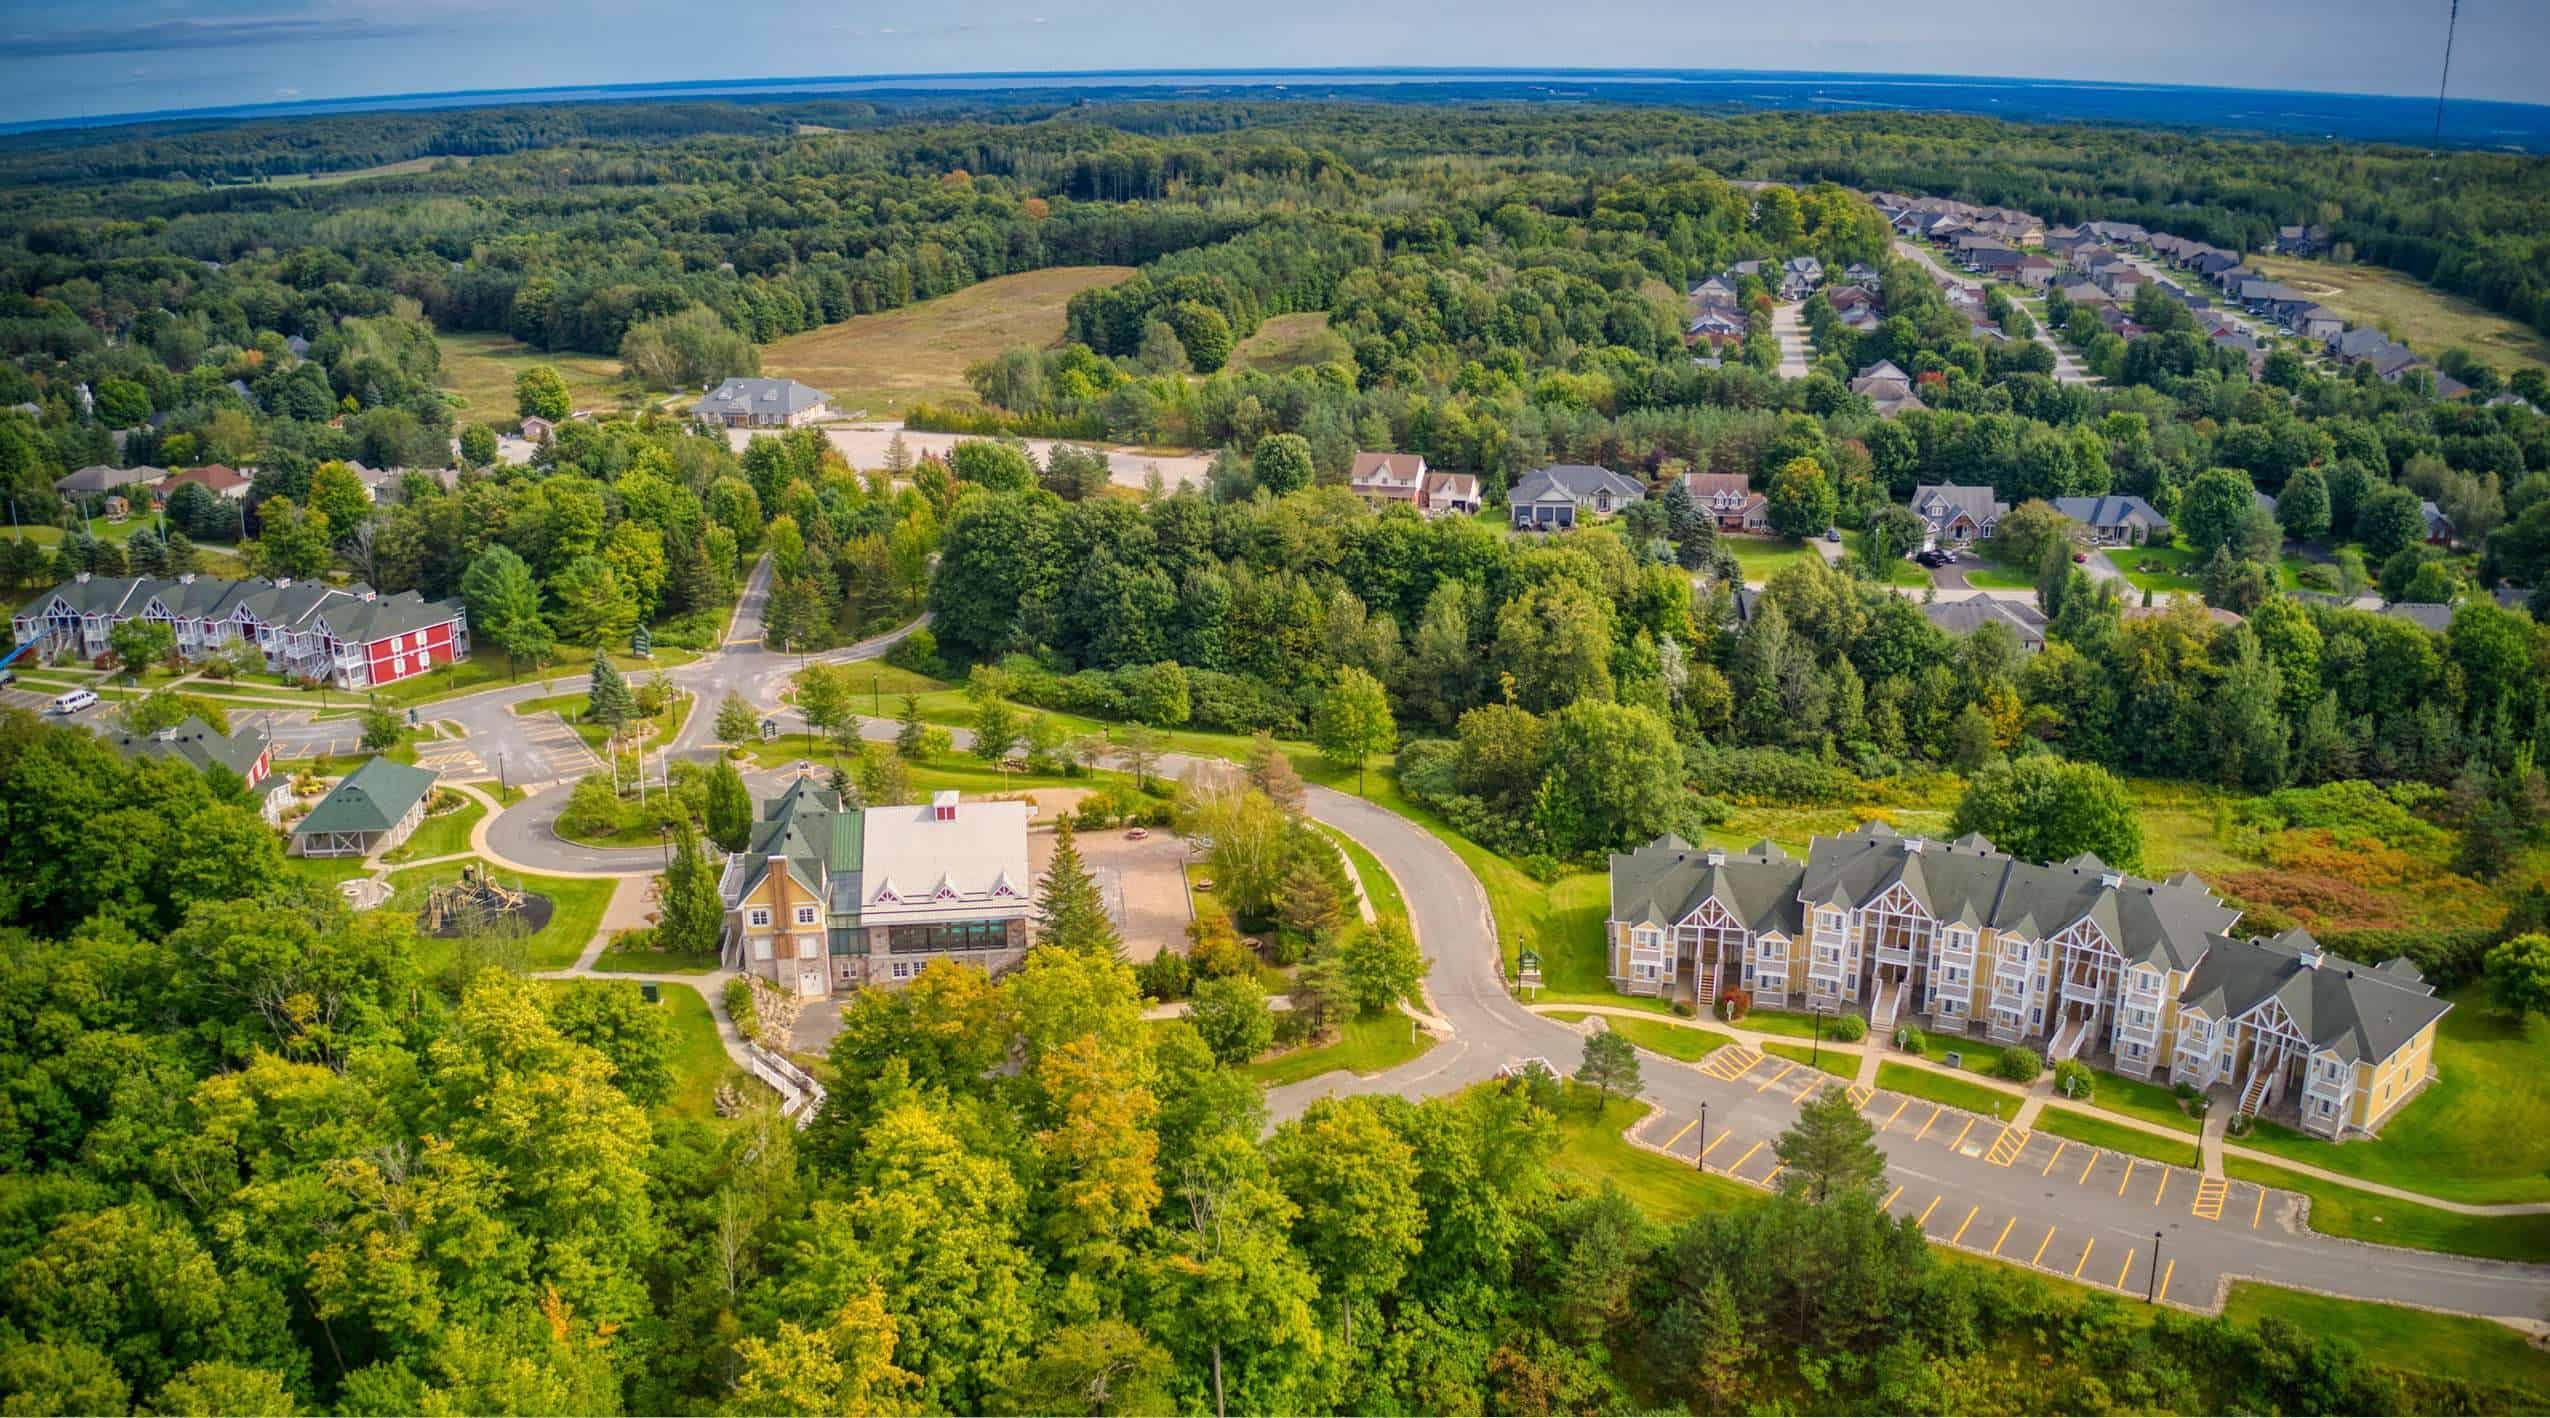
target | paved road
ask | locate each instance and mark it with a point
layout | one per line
(1788, 326)
(2067, 370)
(2032, 1199)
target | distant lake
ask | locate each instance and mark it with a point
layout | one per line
(2469, 123)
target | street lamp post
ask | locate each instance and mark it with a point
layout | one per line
(1815, 1055)
(1702, 1161)
(664, 835)
(2151, 1283)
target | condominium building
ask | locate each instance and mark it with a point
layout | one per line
(351, 636)
(2075, 958)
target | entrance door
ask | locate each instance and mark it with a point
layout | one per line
(810, 980)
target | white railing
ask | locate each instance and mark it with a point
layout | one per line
(800, 1096)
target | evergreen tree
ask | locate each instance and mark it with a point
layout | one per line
(503, 602)
(1830, 1151)
(911, 735)
(730, 807)
(608, 700)
(736, 721)
(690, 915)
(1610, 1066)
(1070, 912)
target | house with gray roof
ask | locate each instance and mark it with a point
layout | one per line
(1957, 513)
(98, 479)
(2115, 520)
(350, 636)
(761, 403)
(374, 809)
(247, 752)
(830, 899)
(2078, 958)
(1962, 618)
(1554, 498)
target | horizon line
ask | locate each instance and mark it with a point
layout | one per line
(996, 78)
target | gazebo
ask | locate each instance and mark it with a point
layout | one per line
(373, 810)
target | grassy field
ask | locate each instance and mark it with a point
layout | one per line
(2396, 1337)
(2098, 1132)
(1840, 1061)
(1288, 342)
(1673, 1041)
(1379, 887)
(387, 169)
(2411, 310)
(1939, 1088)
(1591, 1146)
(1366, 1044)
(480, 366)
(2179, 568)
(1973, 1055)
(2480, 1134)
(879, 365)
(2148, 1102)
(1760, 556)
(2364, 1216)
(653, 962)
(699, 1057)
(443, 833)
(580, 903)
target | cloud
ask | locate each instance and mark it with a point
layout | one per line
(208, 34)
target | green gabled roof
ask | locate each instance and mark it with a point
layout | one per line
(195, 742)
(371, 799)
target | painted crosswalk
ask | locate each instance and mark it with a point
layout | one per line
(2007, 1147)
(2209, 1198)
(1730, 1063)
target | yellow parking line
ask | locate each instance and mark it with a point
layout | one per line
(1774, 1080)
(1900, 1105)
(1935, 1111)
(2085, 1258)
(2041, 1245)
(1890, 1199)
(1747, 1157)
(2129, 1176)
(2005, 1234)
(1934, 1206)
(2059, 1145)
(2167, 1271)
(1677, 1137)
(1961, 1135)
(1962, 1225)
(1723, 1135)
(2125, 1270)
(2084, 1179)
(2261, 1211)
(1775, 1174)
(2163, 1189)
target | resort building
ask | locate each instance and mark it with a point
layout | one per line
(826, 899)
(2076, 959)
(350, 636)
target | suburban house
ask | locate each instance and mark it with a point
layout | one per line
(828, 899)
(1555, 497)
(1799, 277)
(2114, 520)
(2075, 958)
(2033, 272)
(1449, 492)
(2439, 528)
(2316, 323)
(1965, 617)
(1957, 514)
(1388, 477)
(215, 478)
(248, 752)
(1716, 327)
(350, 636)
(761, 403)
(2301, 240)
(1716, 293)
(536, 429)
(98, 478)
(1887, 388)
(1729, 498)
(373, 810)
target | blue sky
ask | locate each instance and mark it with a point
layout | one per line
(129, 56)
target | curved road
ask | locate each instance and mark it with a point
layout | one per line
(1948, 1182)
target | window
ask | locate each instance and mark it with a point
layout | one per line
(2036, 1016)
(805, 915)
(1960, 938)
(757, 917)
(903, 969)
(947, 935)
(2133, 1051)
(1828, 921)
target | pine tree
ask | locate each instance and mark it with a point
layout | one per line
(1610, 1066)
(691, 915)
(608, 701)
(912, 735)
(1070, 913)
(1830, 1151)
(730, 807)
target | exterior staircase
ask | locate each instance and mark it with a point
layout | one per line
(2068, 1040)
(1705, 990)
(2254, 1097)
(1882, 1011)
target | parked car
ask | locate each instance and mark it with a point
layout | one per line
(1931, 556)
(2080, 557)
(72, 701)
(1832, 534)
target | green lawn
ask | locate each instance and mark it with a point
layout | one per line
(1761, 556)
(1657, 1036)
(1939, 1088)
(1900, 571)
(571, 707)
(443, 833)
(1591, 1147)
(325, 871)
(1841, 1061)
(699, 1056)
(1973, 1055)
(1379, 888)
(2480, 1133)
(633, 961)
(2148, 1102)
(1794, 1023)
(1367, 1044)
(488, 666)
(2115, 1137)
(580, 903)
(2482, 1351)
(2177, 567)
(2364, 1216)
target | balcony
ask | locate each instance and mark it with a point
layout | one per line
(2079, 991)
(1894, 954)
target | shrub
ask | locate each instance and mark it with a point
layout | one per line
(2185, 1092)
(917, 652)
(2073, 1079)
(1768, 774)
(1850, 1029)
(740, 1008)
(1165, 977)
(1911, 1040)
(1734, 1005)
(2018, 1065)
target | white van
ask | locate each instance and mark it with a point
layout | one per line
(73, 701)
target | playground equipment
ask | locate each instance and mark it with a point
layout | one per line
(477, 900)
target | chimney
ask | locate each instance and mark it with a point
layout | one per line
(943, 805)
(1912, 846)
(2111, 880)
(186, 578)
(283, 583)
(82, 578)
(1717, 856)
(2311, 956)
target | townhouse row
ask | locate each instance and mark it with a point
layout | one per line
(350, 636)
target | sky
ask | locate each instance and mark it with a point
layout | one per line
(136, 56)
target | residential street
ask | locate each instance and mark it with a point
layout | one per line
(2067, 370)
(2059, 1207)
(1788, 326)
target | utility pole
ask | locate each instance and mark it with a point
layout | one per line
(2151, 1285)
(2452, 22)
(1702, 1161)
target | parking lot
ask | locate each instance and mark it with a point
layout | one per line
(1143, 880)
(2062, 1207)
